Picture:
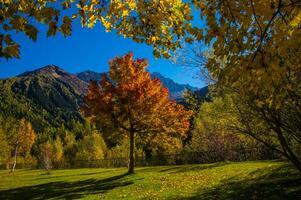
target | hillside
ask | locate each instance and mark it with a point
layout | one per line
(89, 75)
(47, 96)
(50, 96)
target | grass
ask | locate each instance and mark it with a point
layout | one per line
(245, 180)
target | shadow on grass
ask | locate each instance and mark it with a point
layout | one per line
(66, 190)
(185, 168)
(280, 183)
(49, 176)
(181, 168)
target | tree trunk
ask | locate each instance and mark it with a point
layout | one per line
(15, 159)
(288, 151)
(131, 153)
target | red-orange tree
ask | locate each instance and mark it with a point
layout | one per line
(137, 105)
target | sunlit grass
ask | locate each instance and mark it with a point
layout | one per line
(246, 180)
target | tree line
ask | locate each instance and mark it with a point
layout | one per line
(129, 115)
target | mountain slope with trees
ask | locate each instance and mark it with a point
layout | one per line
(47, 97)
(50, 96)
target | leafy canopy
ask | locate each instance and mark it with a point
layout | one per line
(159, 23)
(256, 47)
(129, 100)
(23, 140)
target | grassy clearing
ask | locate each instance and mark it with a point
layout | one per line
(246, 180)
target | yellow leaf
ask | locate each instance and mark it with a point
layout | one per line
(296, 20)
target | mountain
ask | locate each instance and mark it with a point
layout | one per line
(203, 91)
(175, 89)
(47, 97)
(50, 96)
(89, 75)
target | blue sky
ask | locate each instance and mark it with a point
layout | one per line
(88, 49)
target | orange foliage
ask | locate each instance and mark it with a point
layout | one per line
(25, 137)
(129, 99)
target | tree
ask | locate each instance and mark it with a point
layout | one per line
(23, 140)
(129, 100)
(259, 41)
(46, 155)
(276, 129)
(5, 148)
(214, 130)
(256, 57)
(91, 147)
(159, 23)
(7, 125)
(269, 112)
(57, 149)
(245, 31)
(70, 147)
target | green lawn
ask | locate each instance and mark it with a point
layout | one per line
(245, 180)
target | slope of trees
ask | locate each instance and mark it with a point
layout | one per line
(130, 101)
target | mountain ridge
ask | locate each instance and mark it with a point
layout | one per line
(175, 89)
